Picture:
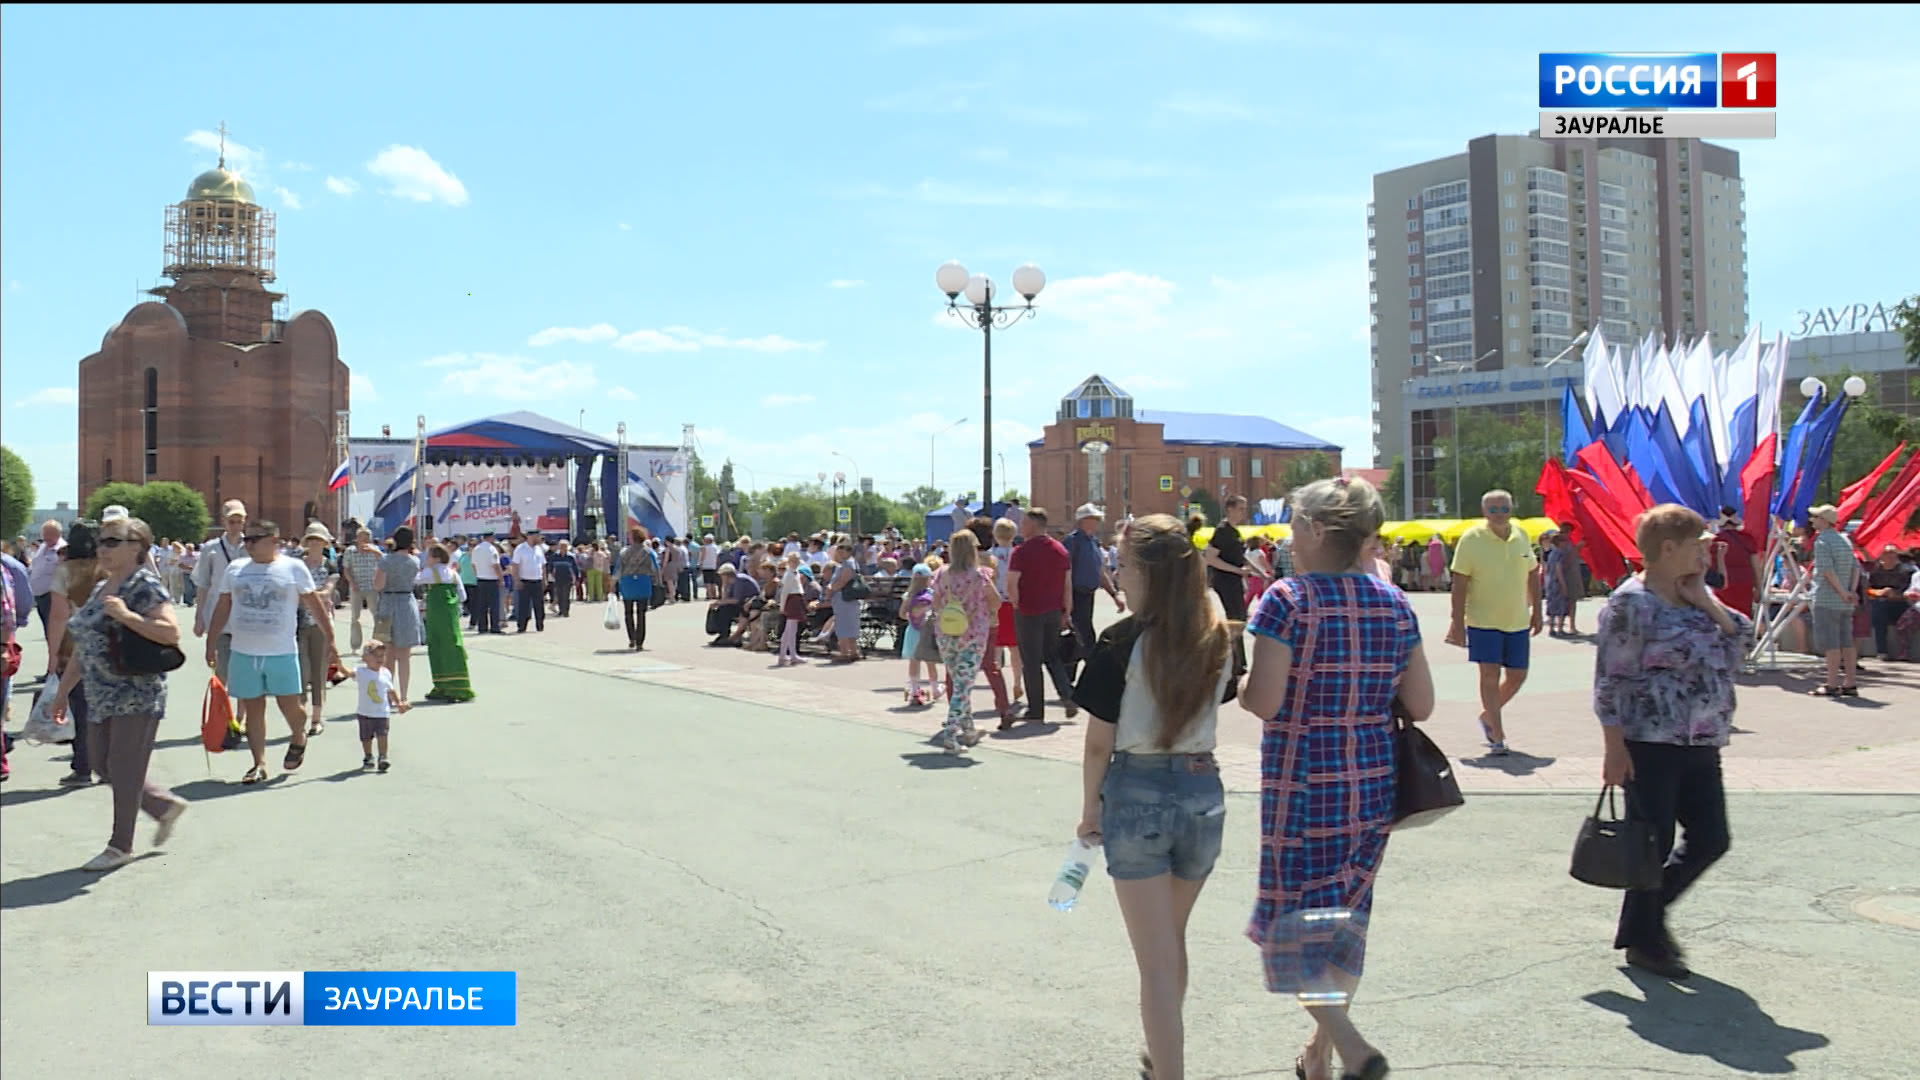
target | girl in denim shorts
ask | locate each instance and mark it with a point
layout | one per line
(1152, 796)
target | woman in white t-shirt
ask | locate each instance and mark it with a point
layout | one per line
(1151, 787)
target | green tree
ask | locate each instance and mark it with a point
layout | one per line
(924, 498)
(1906, 319)
(1493, 452)
(117, 493)
(803, 509)
(1011, 494)
(1304, 470)
(173, 511)
(16, 494)
(1393, 491)
(1202, 503)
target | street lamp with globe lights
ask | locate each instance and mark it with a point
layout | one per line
(979, 312)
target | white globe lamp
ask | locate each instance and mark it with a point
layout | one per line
(1028, 281)
(1809, 386)
(952, 278)
(1854, 386)
(979, 290)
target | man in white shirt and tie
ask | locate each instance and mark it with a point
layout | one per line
(530, 583)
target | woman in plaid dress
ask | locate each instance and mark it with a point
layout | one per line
(1333, 646)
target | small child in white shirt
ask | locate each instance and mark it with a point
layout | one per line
(377, 699)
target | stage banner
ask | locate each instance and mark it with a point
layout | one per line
(657, 479)
(381, 497)
(498, 500)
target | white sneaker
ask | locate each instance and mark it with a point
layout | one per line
(108, 859)
(167, 820)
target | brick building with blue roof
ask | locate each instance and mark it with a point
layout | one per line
(1099, 449)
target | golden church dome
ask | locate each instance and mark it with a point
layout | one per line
(222, 185)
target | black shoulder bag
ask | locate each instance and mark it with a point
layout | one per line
(1424, 786)
(1616, 853)
(129, 653)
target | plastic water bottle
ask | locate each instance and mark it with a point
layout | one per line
(1073, 875)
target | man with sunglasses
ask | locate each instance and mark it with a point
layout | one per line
(263, 594)
(210, 577)
(1496, 609)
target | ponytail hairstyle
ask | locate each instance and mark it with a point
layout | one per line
(1349, 510)
(1190, 641)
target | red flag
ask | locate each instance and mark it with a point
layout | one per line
(1886, 517)
(1756, 492)
(1855, 495)
(1628, 498)
(1608, 531)
(1556, 499)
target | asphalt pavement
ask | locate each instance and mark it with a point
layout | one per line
(692, 886)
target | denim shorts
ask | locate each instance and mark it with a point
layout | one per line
(1160, 814)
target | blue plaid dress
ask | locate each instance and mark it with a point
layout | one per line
(1326, 772)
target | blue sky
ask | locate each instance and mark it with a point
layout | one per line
(731, 217)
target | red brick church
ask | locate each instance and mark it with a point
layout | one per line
(206, 385)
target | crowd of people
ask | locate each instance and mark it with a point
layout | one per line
(1322, 646)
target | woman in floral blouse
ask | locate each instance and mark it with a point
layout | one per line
(1663, 690)
(123, 711)
(964, 606)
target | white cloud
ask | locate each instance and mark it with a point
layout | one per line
(1133, 384)
(624, 227)
(778, 401)
(411, 173)
(687, 339)
(1121, 301)
(250, 162)
(920, 37)
(583, 335)
(1043, 116)
(845, 283)
(287, 198)
(52, 395)
(621, 393)
(1206, 108)
(296, 166)
(362, 389)
(1226, 25)
(342, 185)
(514, 378)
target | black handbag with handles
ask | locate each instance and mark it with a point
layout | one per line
(1616, 853)
(1424, 786)
(132, 654)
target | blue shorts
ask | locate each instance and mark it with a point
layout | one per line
(1161, 814)
(250, 677)
(1508, 648)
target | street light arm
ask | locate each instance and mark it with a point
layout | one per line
(999, 317)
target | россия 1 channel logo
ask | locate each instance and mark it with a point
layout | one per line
(1657, 95)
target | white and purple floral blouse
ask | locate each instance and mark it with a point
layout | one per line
(1664, 674)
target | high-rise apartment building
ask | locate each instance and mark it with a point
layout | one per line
(1485, 266)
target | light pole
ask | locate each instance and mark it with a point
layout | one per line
(850, 496)
(1546, 423)
(980, 313)
(1453, 449)
(932, 481)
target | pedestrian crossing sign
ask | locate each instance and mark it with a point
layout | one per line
(706, 521)
(845, 514)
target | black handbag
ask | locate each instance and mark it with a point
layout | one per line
(1425, 788)
(856, 588)
(1614, 853)
(132, 654)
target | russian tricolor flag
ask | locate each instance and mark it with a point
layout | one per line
(341, 477)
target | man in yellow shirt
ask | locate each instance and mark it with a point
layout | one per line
(1496, 608)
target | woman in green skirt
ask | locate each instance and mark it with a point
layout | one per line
(446, 653)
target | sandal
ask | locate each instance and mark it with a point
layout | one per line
(255, 775)
(316, 727)
(1374, 1069)
(1825, 691)
(1848, 691)
(296, 753)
